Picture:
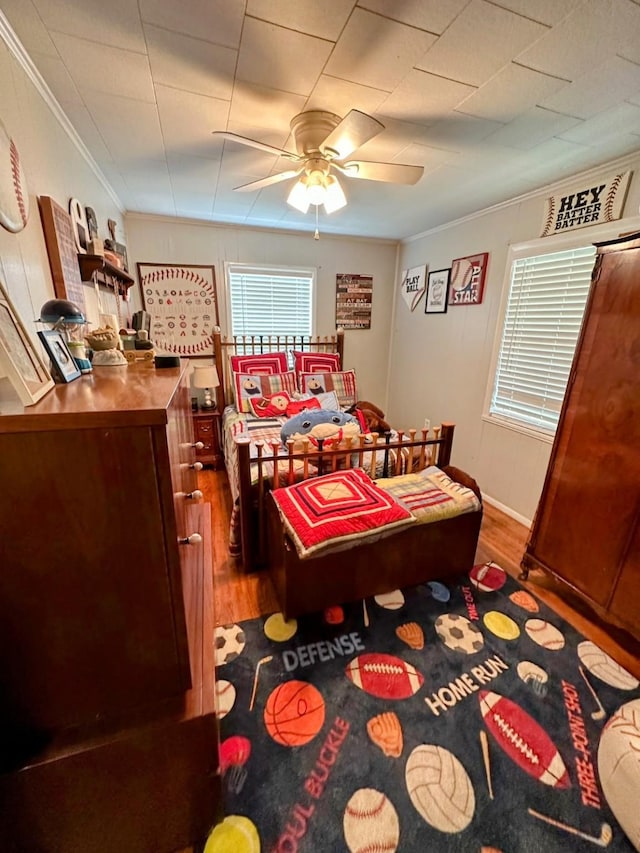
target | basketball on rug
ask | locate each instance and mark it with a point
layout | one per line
(458, 717)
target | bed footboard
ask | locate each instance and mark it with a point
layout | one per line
(441, 550)
(275, 466)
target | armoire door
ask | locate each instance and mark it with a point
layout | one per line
(589, 503)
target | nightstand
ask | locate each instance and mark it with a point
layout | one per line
(206, 426)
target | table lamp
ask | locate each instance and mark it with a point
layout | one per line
(206, 377)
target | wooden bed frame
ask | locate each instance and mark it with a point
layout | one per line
(275, 465)
(440, 550)
(314, 462)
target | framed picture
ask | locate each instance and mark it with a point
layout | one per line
(437, 292)
(20, 362)
(63, 366)
(467, 279)
(182, 302)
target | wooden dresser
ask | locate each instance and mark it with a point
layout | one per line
(108, 737)
(587, 526)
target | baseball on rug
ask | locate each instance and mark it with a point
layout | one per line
(465, 717)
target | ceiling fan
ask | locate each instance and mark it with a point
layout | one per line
(323, 143)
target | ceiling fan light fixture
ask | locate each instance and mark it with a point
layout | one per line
(298, 196)
(334, 198)
(316, 188)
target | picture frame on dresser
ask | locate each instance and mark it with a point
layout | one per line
(20, 362)
(63, 366)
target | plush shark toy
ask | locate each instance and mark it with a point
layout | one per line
(314, 424)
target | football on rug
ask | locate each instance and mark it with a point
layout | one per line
(461, 717)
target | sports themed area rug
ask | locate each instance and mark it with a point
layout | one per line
(467, 717)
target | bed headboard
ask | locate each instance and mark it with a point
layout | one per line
(225, 346)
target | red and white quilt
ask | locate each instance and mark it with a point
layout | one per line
(335, 511)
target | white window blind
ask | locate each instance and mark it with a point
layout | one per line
(270, 301)
(541, 326)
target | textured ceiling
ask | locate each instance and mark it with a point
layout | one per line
(494, 99)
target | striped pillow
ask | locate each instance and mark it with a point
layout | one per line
(255, 386)
(316, 362)
(268, 362)
(343, 383)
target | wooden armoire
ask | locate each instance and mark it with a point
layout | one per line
(586, 530)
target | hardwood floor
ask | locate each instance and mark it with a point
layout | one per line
(240, 596)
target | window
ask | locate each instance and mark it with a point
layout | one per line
(546, 302)
(270, 300)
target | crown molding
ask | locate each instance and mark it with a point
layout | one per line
(23, 59)
(284, 232)
(548, 189)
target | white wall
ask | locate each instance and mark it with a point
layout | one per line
(154, 239)
(440, 363)
(53, 166)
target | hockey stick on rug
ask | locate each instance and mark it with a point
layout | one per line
(452, 718)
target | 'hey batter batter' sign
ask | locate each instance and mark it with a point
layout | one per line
(593, 202)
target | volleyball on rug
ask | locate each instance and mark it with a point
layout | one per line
(604, 667)
(440, 788)
(619, 767)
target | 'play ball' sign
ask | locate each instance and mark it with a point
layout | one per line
(413, 285)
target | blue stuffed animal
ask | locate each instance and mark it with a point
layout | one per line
(330, 426)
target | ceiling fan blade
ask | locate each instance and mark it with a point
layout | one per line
(253, 143)
(268, 181)
(394, 173)
(354, 130)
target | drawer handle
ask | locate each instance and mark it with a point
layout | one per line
(194, 539)
(198, 445)
(195, 495)
(197, 466)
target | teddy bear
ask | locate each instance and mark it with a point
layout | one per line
(370, 416)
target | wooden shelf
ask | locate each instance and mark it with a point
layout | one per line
(96, 268)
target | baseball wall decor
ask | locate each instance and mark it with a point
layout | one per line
(588, 204)
(183, 304)
(354, 297)
(437, 292)
(14, 196)
(467, 279)
(413, 284)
